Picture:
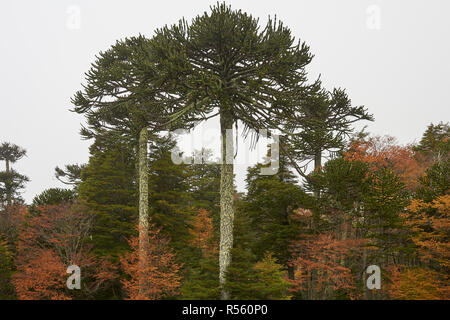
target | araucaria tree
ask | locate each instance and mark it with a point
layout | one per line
(224, 65)
(11, 181)
(324, 122)
(120, 97)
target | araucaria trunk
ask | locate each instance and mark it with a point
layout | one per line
(143, 210)
(226, 200)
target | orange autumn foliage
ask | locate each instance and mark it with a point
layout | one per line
(430, 231)
(322, 254)
(161, 272)
(202, 233)
(416, 284)
(385, 152)
(42, 277)
(429, 223)
(50, 241)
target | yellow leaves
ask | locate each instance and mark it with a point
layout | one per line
(417, 284)
(442, 204)
(431, 230)
(417, 206)
(268, 263)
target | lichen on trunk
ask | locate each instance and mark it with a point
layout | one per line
(143, 208)
(226, 200)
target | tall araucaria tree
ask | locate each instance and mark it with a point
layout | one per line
(225, 65)
(12, 181)
(121, 97)
(323, 123)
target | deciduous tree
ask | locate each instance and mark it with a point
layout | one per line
(52, 239)
(161, 275)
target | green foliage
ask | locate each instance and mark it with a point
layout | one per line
(6, 271)
(384, 200)
(251, 269)
(435, 142)
(204, 181)
(170, 201)
(342, 183)
(11, 183)
(120, 94)
(201, 278)
(435, 182)
(224, 59)
(271, 282)
(11, 152)
(269, 204)
(201, 272)
(10, 180)
(324, 123)
(241, 277)
(109, 189)
(53, 196)
(70, 175)
(248, 279)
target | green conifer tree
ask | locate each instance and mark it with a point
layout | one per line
(109, 189)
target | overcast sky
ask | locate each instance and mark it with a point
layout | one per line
(391, 56)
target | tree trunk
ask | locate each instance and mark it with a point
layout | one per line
(291, 273)
(314, 225)
(226, 200)
(143, 210)
(317, 167)
(318, 161)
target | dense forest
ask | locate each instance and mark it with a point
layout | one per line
(139, 225)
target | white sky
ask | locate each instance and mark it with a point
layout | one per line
(391, 56)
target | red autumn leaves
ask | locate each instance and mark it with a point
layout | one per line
(55, 237)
